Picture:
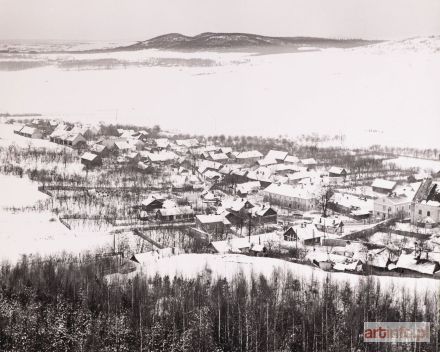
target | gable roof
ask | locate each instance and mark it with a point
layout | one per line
(89, 156)
(154, 198)
(29, 130)
(407, 261)
(238, 244)
(289, 191)
(276, 155)
(176, 211)
(212, 218)
(384, 184)
(98, 148)
(266, 161)
(263, 210)
(337, 170)
(309, 161)
(249, 154)
(218, 156)
(162, 142)
(291, 159)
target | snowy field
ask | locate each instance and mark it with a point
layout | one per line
(30, 232)
(229, 265)
(365, 92)
(424, 164)
(8, 137)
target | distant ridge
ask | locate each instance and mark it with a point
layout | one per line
(208, 40)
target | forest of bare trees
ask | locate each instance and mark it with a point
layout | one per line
(64, 305)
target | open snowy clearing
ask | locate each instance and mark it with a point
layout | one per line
(229, 265)
(424, 164)
(30, 232)
(19, 192)
(42, 233)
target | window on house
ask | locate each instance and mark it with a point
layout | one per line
(428, 213)
(420, 212)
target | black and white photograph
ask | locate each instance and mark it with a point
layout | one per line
(220, 175)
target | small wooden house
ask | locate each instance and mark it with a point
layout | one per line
(91, 160)
(100, 149)
(175, 214)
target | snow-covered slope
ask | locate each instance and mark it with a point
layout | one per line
(230, 265)
(412, 45)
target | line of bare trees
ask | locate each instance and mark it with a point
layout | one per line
(61, 305)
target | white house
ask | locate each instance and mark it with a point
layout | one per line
(397, 203)
(289, 196)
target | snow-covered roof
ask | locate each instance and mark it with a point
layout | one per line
(384, 184)
(162, 142)
(309, 161)
(350, 201)
(97, 148)
(212, 218)
(161, 156)
(276, 155)
(152, 197)
(132, 155)
(320, 256)
(218, 156)
(189, 143)
(176, 211)
(29, 130)
(228, 168)
(378, 257)
(289, 191)
(236, 245)
(407, 261)
(122, 145)
(261, 210)
(337, 170)
(306, 232)
(212, 174)
(431, 203)
(248, 187)
(141, 165)
(291, 159)
(209, 164)
(266, 161)
(89, 156)
(249, 154)
(226, 150)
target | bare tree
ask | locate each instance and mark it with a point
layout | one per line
(324, 197)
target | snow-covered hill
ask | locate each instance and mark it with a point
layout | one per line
(207, 41)
(414, 45)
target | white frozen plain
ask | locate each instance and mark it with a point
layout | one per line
(391, 88)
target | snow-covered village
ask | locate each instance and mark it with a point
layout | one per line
(144, 194)
(146, 202)
(220, 176)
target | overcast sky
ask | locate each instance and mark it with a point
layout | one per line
(142, 19)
